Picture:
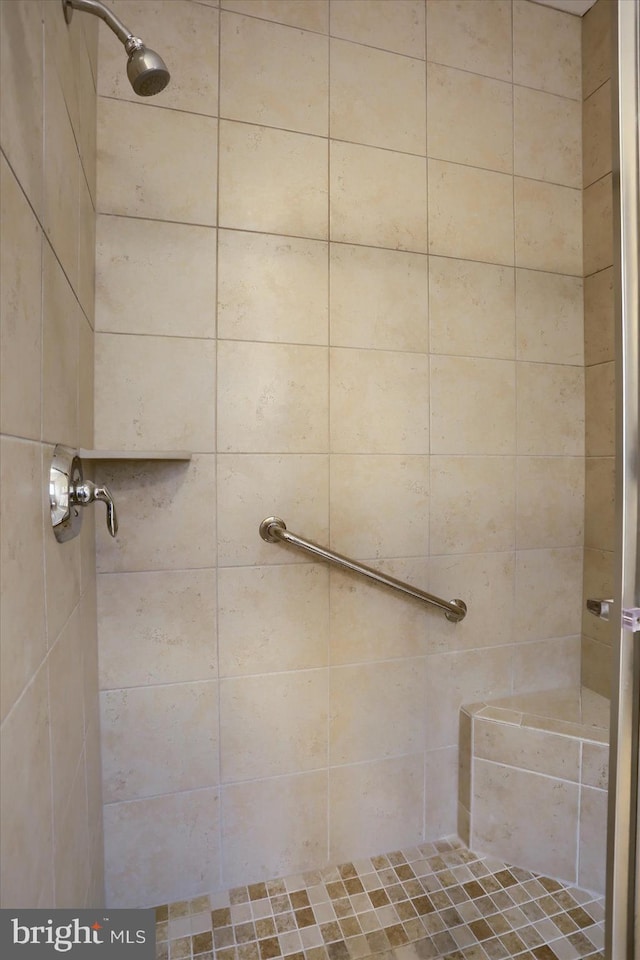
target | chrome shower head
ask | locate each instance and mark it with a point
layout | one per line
(146, 69)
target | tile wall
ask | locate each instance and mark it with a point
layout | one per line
(340, 260)
(50, 781)
(599, 335)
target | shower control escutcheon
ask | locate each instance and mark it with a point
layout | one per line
(69, 491)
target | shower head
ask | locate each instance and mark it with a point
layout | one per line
(146, 69)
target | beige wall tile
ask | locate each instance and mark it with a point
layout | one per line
(505, 820)
(272, 180)
(482, 418)
(550, 499)
(456, 679)
(66, 713)
(472, 36)
(548, 227)
(272, 288)
(62, 43)
(144, 393)
(550, 410)
(145, 751)
(549, 317)
(596, 51)
(596, 660)
(25, 799)
(534, 750)
(379, 402)
(370, 622)
(297, 13)
(163, 524)
(155, 278)
(88, 550)
(86, 286)
(259, 633)
(548, 593)
(546, 49)
(485, 581)
(547, 137)
(293, 487)
(72, 849)
(274, 828)
(600, 527)
(21, 108)
(273, 724)
(376, 805)
(376, 710)
(157, 627)
(592, 851)
(465, 741)
(441, 777)
(137, 176)
(599, 323)
(284, 80)
(272, 397)
(62, 318)
(374, 22)
(598, 226)
(461, 202)
(61, 185)
(152, 844)
(20, 310)
(546, 664)
(184, 34)
(472, 504)
(463, 825)
(596, 124)
(22, 613)
(378, 298)
(377, 98)
(595, 765)
(471, 308)
(87, 610)
(364, 210)
(85, 48)
(360, 487)
(600, 409)
(482, 135)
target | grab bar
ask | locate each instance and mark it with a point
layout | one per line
(273, 529)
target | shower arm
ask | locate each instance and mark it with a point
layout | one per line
(99, 10)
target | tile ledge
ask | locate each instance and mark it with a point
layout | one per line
(85, 454)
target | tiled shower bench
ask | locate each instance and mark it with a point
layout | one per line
(533, 782)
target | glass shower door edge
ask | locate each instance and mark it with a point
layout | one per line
(623, 880)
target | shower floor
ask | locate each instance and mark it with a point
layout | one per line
(436, 900)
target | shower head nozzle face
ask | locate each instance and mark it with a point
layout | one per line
(147, 72)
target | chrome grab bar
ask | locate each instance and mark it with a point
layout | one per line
(273, 529)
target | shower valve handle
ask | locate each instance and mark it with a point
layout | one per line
(87, 492)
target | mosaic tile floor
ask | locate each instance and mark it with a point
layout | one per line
(437, 900)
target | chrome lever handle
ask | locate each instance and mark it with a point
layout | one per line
(600, 608)
(87, 492)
